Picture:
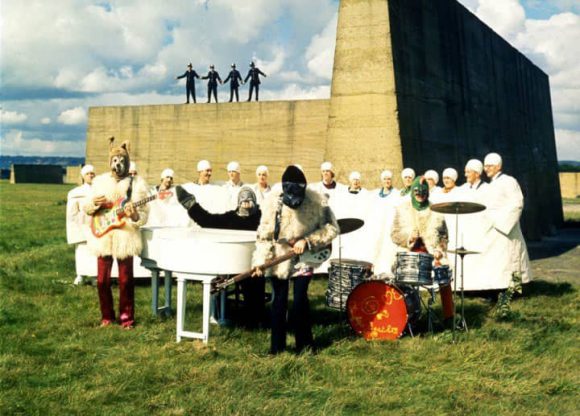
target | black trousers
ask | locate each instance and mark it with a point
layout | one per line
(254, 291)
(210, 89)
(232, 92)
(299, 314)
(252, 86)
(189, 91)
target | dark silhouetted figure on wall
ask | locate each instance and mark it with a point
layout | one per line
(235, 78)
(190, 75)
(254, 77)
(213, 77)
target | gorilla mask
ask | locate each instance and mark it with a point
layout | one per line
(246, 202)
(293, 187)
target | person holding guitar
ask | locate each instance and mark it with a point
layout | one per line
(117, 206)
(293, 220)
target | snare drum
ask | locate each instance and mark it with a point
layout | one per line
(343, 277)
(442, 275)
(378, 310)
(414, 268)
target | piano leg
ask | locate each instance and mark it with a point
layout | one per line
(154, 291)
(167, 309)
(181, 292)
(206, 302)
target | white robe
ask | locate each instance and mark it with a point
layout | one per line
(166, 211)
(378, 229)
(77, 228)
(260, 194)
(505, 250)
(213, 198)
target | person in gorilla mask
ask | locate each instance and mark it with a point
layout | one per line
(245, 217)
(295, 219)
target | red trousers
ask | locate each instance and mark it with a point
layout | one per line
(126, 290)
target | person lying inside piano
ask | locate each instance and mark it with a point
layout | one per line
(245, 217)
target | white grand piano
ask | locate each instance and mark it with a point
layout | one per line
(192, 254)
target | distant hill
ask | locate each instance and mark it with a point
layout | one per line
(6, 161)
(569, 166)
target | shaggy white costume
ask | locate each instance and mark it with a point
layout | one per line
(125, 241)
(312, 220)
(429, 224)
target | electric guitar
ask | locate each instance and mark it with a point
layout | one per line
(312, 257)
(112, 215)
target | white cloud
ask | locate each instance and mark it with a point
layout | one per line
(45, 120)
(297, 92)
(16, 144)
(10, 117)
(507, 17)
(568, 144)
(320, 51)
(77, 115)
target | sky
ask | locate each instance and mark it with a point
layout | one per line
(60, 57)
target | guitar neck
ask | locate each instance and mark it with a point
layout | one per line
(138, 203)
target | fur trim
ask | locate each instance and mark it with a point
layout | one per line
(124, 241)
(430, 225)
(313, 220)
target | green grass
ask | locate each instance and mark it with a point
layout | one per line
(54, 359)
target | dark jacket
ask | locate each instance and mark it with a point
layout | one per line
(254, 75)
(189, 76)
(235, 76)
(229, 220)
(213, 78)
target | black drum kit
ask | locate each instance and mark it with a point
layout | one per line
(383, 307)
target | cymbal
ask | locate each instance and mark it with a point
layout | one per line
(462, 251)
(457, 207)
(348, 225)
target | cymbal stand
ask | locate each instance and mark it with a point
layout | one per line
(455, 323)
(462, 324)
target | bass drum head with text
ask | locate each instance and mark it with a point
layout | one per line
(377, 310)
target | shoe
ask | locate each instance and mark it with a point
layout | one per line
(106, 322)
(78, 280)
(186, 199)
(213, 321)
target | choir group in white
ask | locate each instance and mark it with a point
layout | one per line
(495, 232)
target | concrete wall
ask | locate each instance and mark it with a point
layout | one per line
(463, 91)
(73, 175)
(274, 133)
(570, 184)
(363, 129)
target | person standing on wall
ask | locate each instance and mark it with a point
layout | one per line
(254, 77)
(190, 75)
(213, 77)
(235, 78)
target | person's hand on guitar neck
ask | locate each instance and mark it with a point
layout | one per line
(130, 211)
(257, 272)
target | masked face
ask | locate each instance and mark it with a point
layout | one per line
(120, 166)
(246, 202)
(420, 194)
(293, 194)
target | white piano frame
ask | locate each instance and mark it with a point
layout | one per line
(182, 279)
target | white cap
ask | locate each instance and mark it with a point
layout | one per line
(408, 172)
(262, 168)
(87, 169)
(233, 167)
(326, 166)
(132, 167)
(386, 174)
(203, 165)
(167, 172)
(431, 174)
(474, 165)
(492, 159)
(450, 173)
(354, 175)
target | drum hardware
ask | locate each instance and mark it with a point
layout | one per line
(345, 226)
(458, 207)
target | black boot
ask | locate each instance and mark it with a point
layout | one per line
(186, 199)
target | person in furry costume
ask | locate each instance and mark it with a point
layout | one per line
(295, 219)
(119, 243)
(418, 229)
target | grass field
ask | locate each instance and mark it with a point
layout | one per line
(55, 360)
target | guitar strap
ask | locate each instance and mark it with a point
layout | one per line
(130, 189)
(278, 219)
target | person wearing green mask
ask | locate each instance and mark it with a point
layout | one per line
(418, 229)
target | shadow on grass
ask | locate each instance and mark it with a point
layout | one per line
(544, 288)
